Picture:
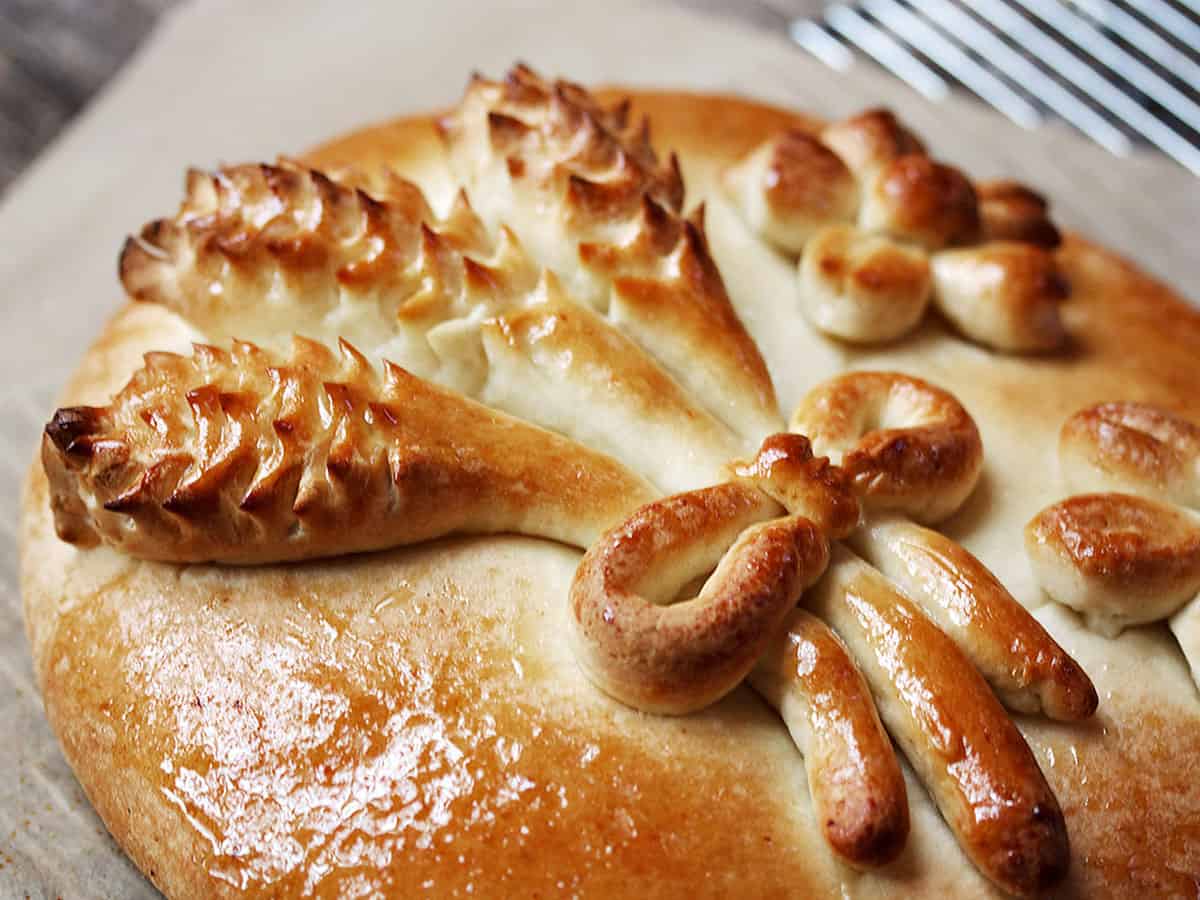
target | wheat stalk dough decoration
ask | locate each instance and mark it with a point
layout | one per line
(468, 373)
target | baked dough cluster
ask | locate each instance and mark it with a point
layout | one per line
(558, 356)
(881, 228)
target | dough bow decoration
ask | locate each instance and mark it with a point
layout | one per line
(924, 638)
(881, 229)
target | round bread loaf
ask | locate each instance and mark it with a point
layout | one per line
(414, 720)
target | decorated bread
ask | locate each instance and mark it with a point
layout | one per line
(621, 492)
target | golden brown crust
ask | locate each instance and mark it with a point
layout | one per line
(786, 470)
(919, 200)
(261, 251)
(925, 467)
(792, 186)
(635, 411)
(951, 728)
(640, 644)
(863, 287)
(858, 283)
(246, 458)
(870, 140)
(1010, 211)
(858, 792)
(1026, 667)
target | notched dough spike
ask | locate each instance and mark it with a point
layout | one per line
(591, 199)
(261, 459)
(260, 251)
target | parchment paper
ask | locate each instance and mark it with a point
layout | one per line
(228, 81)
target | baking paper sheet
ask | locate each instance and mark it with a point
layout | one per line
(229, 81)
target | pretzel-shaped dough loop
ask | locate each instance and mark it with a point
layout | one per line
(1123, 559)
(907, 445)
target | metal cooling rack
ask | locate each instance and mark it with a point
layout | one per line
(1123, 73)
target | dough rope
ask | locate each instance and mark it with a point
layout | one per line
(881, 229)
(1126, 550)
(964, 748)
(858, 792)
(910, 448)
(584, 190)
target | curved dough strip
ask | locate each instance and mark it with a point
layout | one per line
(906, 444)
(638, 643)
(1026, 667)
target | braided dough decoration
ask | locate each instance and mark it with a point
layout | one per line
(869, 212)
(1124, 559)
(582, 187)
(260, 252)
(245, 457)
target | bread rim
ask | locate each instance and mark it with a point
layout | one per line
(395, 722)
